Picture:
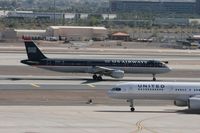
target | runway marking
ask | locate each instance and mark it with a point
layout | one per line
(34, 85)
(141, 127)
(91, 85)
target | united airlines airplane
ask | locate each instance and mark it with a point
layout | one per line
(98, 67)
(183, 94)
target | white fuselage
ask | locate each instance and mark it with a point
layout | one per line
(155, 90)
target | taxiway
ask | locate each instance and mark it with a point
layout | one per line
(33, 100)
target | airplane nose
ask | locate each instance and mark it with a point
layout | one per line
(23, 61)
(110, 94)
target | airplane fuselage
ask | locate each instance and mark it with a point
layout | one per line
(155, 90)
(88, 65)
(115, 68)
(183, 94)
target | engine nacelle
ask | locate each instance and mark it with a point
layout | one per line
(180, 103)
(194, 103)
(117, 74)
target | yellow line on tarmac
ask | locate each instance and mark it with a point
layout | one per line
(140, 126)
(91, 85)
(34, 85)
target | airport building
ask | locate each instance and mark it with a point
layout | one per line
(50, 15)
(156, 6)
(35, 15)
(18, 34)
(71, 33)
(77, 32)
(171, 21)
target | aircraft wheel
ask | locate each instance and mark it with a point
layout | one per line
(95, 77)
(154, 77)
(99, 78)
(132, 109)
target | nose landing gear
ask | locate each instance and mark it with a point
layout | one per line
(131, 105)
(154, 77)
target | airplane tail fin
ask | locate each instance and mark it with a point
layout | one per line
(33, 52)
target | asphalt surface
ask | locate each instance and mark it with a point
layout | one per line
(97, 119)
(17, 77)
(33, 100)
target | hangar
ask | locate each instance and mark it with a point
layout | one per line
(13, 34)
(77, 33)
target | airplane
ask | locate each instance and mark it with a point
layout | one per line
(188, 44)
(183, 94)
(114, 68)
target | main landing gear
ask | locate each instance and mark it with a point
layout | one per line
(154, 77)
(131, 105)
(95, 77)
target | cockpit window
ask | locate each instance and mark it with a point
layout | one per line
(116, 89)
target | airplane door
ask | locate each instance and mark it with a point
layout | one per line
(48, 62)
(128, 89)
(89, 67)
(170, 91)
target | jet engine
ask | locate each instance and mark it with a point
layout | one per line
(194, 103)
(180, 103)
(117, 74)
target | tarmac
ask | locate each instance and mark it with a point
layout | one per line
(33, 100)
(97, 119)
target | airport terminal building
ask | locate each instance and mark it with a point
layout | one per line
(156, 6)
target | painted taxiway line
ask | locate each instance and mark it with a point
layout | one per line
(91, 85)
(79, 78)
(38, 84)
(78, 81)
(35, 85)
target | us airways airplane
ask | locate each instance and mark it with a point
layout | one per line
(98, 67)
(183, 94)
